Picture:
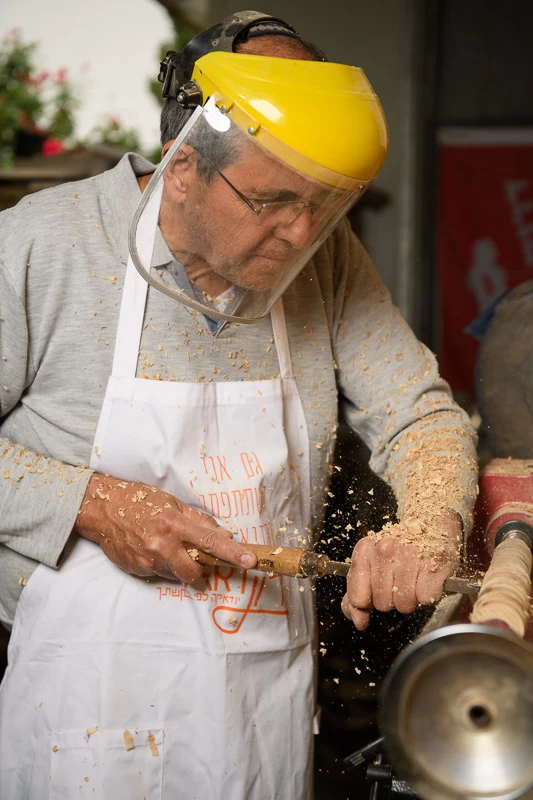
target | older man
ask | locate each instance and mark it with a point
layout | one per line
(184, 398)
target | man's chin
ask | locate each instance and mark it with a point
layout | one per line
(260, 273)
(264, 284)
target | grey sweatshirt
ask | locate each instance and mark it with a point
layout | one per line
(63, 255)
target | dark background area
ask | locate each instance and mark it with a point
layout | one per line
(352, 664)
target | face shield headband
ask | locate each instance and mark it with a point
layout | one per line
(236, 223)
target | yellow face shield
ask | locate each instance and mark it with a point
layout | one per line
(258, 179)
(236, 223)
(323, 119)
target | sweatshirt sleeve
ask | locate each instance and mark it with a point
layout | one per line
(39, 496)
(421, 441)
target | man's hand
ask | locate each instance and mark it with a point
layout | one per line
(392, 573)
(143, 529)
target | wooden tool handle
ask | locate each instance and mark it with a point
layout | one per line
(295, 562)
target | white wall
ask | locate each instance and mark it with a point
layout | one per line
(119, 41)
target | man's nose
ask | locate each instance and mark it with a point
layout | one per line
(297, 231)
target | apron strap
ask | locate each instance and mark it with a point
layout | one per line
(134, 292)
(281, 339)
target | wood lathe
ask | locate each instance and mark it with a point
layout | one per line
(457, 705)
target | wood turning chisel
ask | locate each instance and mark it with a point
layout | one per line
(298, 562)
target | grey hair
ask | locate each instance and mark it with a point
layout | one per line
(215, 150)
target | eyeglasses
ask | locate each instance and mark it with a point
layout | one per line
(274, 212)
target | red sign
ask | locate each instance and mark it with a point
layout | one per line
(485, 234)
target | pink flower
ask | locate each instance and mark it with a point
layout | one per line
(52, 147)
(61, 75)
(41, 77)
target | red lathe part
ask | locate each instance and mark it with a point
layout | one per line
(505, 494)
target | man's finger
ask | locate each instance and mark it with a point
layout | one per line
(359, 616)
(216, 542)
(429, 586)
(359, 583)
(383, 585)
(405, 596)
(184, 568)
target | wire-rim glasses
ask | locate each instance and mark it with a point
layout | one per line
(279, 212)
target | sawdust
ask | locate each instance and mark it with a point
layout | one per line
(152, 745)
(425, 481)
(129, 744)
(519, 467)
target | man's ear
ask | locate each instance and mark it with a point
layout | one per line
(180, 172)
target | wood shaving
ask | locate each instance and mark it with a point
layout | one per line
(139, 496)
(193, 553)
(277, 551)
(505, 466)
(89, 732)
(100, 492)
(129, 744)
(152, 745)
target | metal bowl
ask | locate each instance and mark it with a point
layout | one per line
(457, 714)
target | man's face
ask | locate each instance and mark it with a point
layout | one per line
(224, 237)
(249, 251)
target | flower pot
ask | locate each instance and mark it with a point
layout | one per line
(28, 143)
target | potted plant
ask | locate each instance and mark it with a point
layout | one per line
(36, 108)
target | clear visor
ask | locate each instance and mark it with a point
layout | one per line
(235, 224)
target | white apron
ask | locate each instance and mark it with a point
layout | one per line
(119, 688)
